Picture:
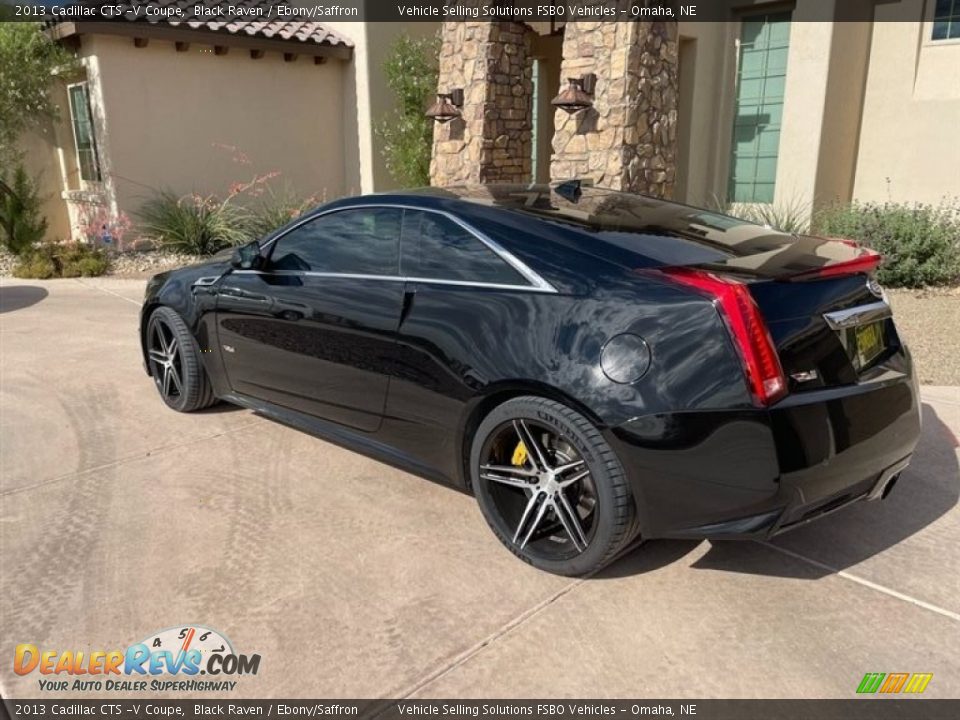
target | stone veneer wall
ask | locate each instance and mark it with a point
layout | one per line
(492, 141)
(628, 140)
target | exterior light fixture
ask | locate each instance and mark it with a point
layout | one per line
(447, 107)
(577, 95)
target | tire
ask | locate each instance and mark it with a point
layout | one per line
(175, 363)
(512, 488)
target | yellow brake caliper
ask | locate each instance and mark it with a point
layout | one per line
(519, 458)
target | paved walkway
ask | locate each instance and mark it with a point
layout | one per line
(119, 518)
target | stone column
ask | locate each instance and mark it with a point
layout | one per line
(492, 141)
(628, 140)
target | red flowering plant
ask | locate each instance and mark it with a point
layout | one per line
(203, 224)
(100, 227)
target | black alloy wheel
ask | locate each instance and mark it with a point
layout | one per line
(551, 487)
(175, 363)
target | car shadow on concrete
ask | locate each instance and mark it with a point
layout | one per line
(18, 297)
(928, 489)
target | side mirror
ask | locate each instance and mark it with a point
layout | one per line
(247, 257)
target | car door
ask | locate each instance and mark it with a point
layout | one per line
(312, 329)
(454, 338)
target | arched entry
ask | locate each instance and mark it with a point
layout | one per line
(509, 72)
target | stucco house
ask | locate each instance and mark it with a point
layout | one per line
(776, 105)
(201, 106)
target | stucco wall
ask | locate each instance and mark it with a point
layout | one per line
(167, 113)
(911, 111)
(42, 163)
(367, 97)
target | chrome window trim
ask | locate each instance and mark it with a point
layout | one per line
(537, 283)
(397, 278)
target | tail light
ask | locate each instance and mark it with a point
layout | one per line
(764, 373)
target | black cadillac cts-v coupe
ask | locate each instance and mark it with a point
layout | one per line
(593, 366)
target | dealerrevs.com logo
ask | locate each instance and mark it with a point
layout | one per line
(169, 660)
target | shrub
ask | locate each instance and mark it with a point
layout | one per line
(23, 225)
(276, 209)
(411, 71)
(93, 266)
(920, 242)
(35, 267)
(790, 217)
(53, 260)
(193, 224)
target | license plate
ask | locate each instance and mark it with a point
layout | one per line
(869, 342)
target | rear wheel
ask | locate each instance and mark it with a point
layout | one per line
(175, 363)
(550, 486)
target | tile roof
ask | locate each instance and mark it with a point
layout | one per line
(303, 31)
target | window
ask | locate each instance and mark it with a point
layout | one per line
(946, 20)
(436, 247)
(761, 78)
(83, 133)
(361, 242)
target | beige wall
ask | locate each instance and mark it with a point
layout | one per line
(368, 99)
(911, 112)
(163, 113)
(41, 160)
(864, 102)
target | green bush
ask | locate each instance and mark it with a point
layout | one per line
(35, 267)
(92, 266)
(193, 224)
(55, 260)
(920, 243)
(275, 209)
(20, 219)
(411, 71)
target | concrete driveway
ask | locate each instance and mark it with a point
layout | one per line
(119, 518)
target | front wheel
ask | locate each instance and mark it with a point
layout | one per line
(550, 486)
(175, 363)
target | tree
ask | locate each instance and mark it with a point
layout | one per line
(28, 61)
(20, 220)
(407, 134)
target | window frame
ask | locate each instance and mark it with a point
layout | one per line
(94, 147)
(744, 17)
(536, 282)
(930, 19)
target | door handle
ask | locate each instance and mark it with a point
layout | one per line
(409, 293)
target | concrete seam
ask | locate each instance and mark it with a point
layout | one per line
(866, 583)
(109, 292)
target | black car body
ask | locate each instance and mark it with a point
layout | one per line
(747, 380)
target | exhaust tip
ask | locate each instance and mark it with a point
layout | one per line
(889, 486)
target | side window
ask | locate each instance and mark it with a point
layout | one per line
(362, 242)
(437, 248)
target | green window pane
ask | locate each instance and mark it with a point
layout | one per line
(83, 133)
(761, 83)
(763, 193)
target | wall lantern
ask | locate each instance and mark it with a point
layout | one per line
(577, 95)
(447, 107)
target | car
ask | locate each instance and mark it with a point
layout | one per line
(596, 367)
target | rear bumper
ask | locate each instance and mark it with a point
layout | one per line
(755, 473)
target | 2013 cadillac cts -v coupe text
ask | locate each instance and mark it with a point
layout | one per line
(593, 366)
